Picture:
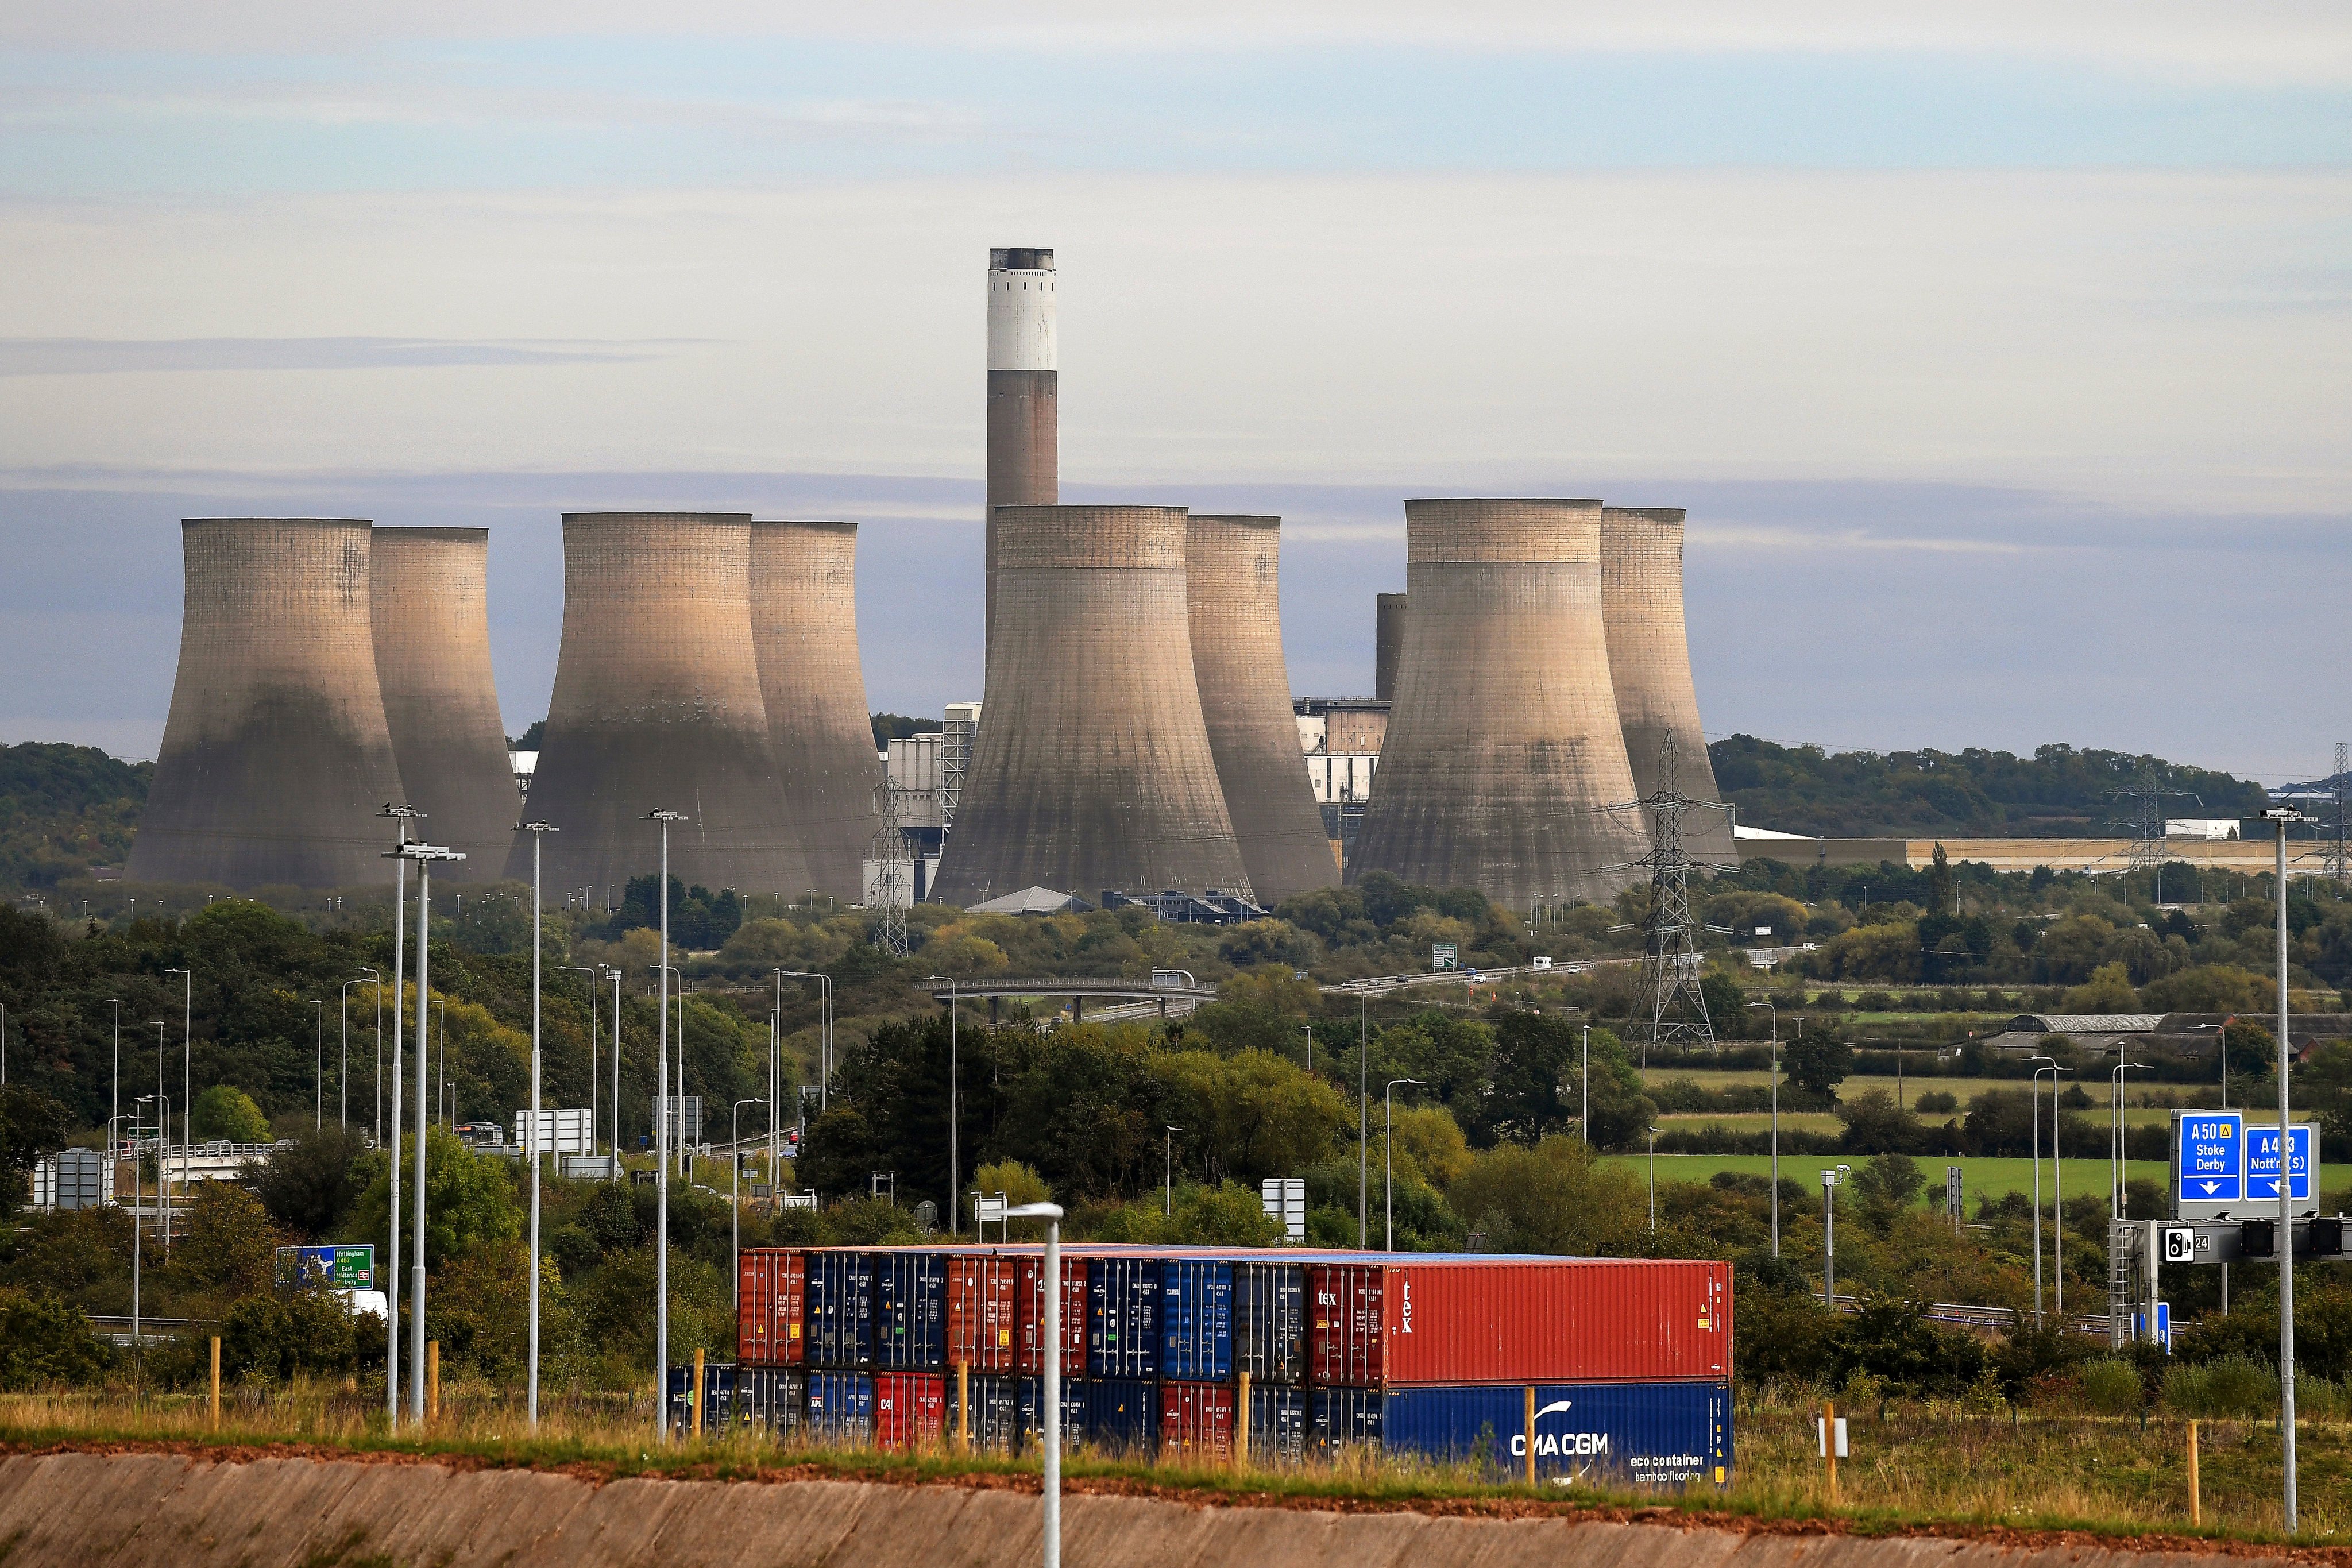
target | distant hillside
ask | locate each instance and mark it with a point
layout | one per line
(64, 809)
(2056, 793)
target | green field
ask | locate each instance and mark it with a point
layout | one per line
(1979, 1178)
(1963, 1090)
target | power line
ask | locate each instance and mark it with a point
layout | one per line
(1670, 955)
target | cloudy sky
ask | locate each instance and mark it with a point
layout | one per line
(1999, 351)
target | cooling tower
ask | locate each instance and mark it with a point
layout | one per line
(658, 704)
(1023, 417)
(276, 757)
(804, 628)
(1502, 749)
(1093, 768)
(1649, 663)
(432, 616)
(1229, 577)
(1388, 644)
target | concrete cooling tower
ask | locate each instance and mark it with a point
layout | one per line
(1093, 768)
(1649, 663)
(657, 705)
(804, 628)
(1504, 750)
(1230, 570)
(276, 757)
(1024, 412)
(431, 611)
(1388, 645)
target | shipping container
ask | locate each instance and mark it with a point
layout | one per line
(771, 1400)
(1123, 1316)
(985, 1314)
(1520, 1321)
(1652, 1433)
(718, 1396)
(840, 1311)
(1196, 1319)
(1078, 1412)
(1196, 1422)
(909, 1410)
(995, 1419)
(1122, 1415)
(910, 1291)
(1270, 1321)
(1339, 1419)
(1277, 1425)
(841, 1406)
(774, 1283)
(1075, 1276)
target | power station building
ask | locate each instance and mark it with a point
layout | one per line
(1504, 750)
(276, 757)
(1093, 769)
(1023, 395)
(430, 594)
(659, 705)
(1231, 570)
(804, 630)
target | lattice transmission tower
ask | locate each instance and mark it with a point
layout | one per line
(1669, 952)
(890, 881)
(2145, 824)
(2339, 855)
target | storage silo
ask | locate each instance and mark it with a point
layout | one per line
(804, 628)
(431, 610)
(1023, 393)
(657, 705)
(276, 757)
(1094, 768)
(1231, 567)
(1649, 664)
(1503, 751)
(1388, 644)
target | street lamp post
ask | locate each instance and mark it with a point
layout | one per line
(114, 1111)
(954, 1161)
(1363, 1118)
(616, 1073)
(163, 1143)
(1168, 1171)
(2116, 1140)
(1775, 1122)
(2057, 1200)
(825, 1034)
(1830, 1180)
(376, 980)
(735, 1208)
(590, 973)
(539, 832)
(402, 816)
(661, 1147)
(2285, 816)
(1585, 1097)
(425, 855)
(187, 1058)
(1051, 1424)
(1654, 1180)
(2036, 1092)
(1388, 1160)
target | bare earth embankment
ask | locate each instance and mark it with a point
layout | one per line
(162, 1507)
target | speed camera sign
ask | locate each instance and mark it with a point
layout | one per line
(2180, 1244)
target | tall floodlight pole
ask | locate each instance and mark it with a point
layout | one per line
(1585, 1097)
(955, 1164)
(163, 1142)
(2057, 1201)
(115, 1113)
(616, 1074)
(1363, 1120)
(539, 832)
(187, 1058)
(343, 1073)
(2285, 816)
(1052, 1214)
(1388, 1161)
(401, 816)
(1775, 1123)
(376, 980)
(425, 855)
(2036, 1092)
(735, 1204)
(590, 973)
(661, 1146)
(1829, 1235)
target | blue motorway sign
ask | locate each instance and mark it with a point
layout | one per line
(2263, 1164)
(2209, 1157)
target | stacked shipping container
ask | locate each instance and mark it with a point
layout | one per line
(1630, 1359)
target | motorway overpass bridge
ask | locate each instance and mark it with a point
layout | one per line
(1165, 986)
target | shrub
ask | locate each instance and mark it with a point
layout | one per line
(2110, 1386)
(2233, 1384)
(43, 1339)
(1936, 1102)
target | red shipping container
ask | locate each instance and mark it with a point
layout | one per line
(996, 1312)
(1196, 1422)
(909, 1410)
(1540, 1321)
(773, 1286)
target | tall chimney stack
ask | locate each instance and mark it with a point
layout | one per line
(1024, 416)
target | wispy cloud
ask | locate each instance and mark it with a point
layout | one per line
(106, 356)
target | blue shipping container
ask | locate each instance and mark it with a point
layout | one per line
(1122, 1415)
(1270, 1321)
(718, 1396)
(1657, 1434)
(1196, 1321)
(1076, 1411)
(910, 1312)
(841, 1405)
(1123, 1317)
(1277, 1425)
(840, 1309)
(1341, 1418)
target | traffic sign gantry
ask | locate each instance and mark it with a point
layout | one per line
(2262, 1164)
(2209, 1163)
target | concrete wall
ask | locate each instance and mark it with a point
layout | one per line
(431, 603)
(1503, 751)
(276, 757)
(1231, 570)
(1093, 768)
(658, 704)
(804, 630)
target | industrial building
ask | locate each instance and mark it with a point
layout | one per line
(1649, 665)
(430, 591)
(1341, 738)
(275, 756)
(1504, 750)
(1231, 570)
(804, 630)
(657, 705)
(1093, 768)
(1023, 395)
